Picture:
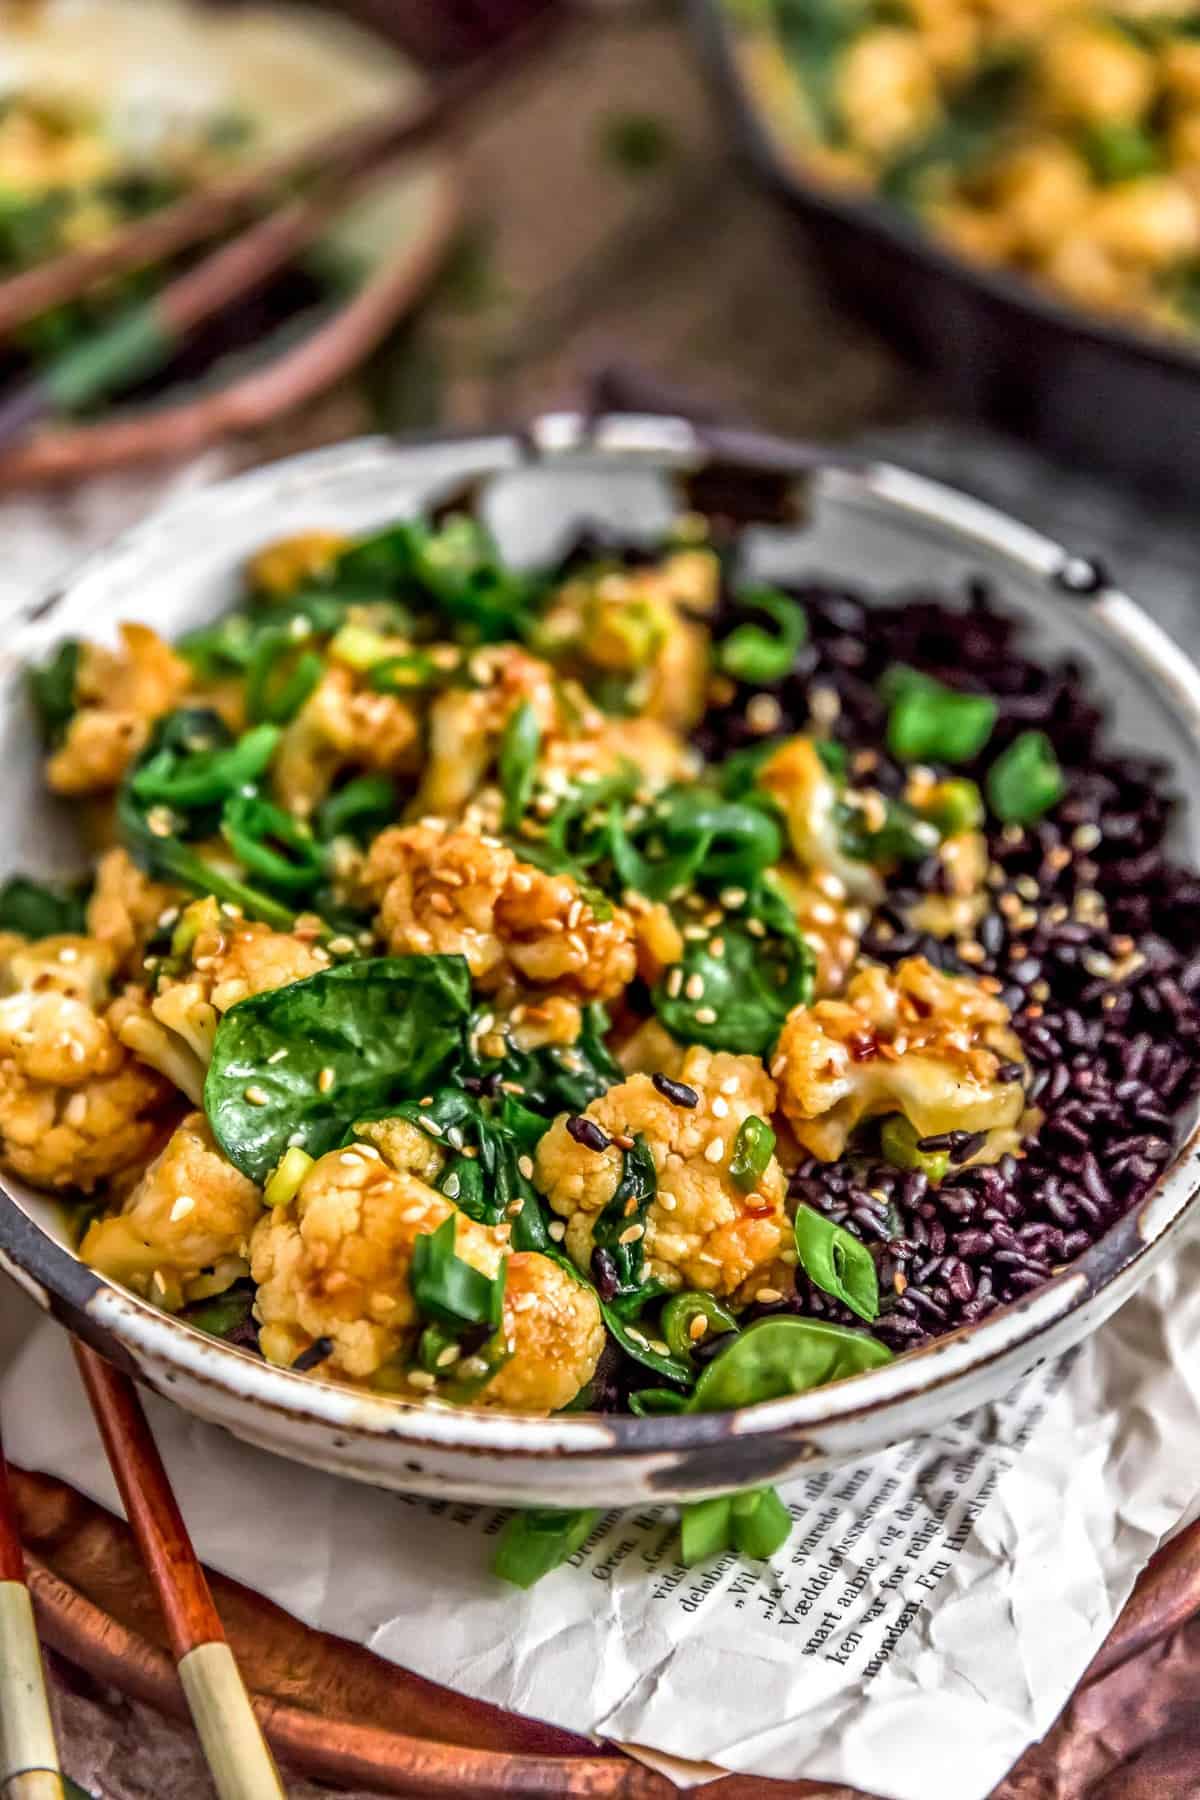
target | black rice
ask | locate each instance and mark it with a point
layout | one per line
(1092, 935)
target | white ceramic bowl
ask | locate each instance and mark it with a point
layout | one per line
(869, 524)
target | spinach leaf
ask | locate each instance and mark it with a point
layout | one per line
(781, 1356)
(620, 1226)
(53, 689)
(456, 567)
(636, 1343)
(299, 1064)
(558, 1077)
(488, 1185)
(838, 1262)
(38, 909)
(739, 999)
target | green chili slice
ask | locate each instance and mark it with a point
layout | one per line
(680, 1313)
(898, 1141)
(268, 842)
(838, 1262)
(1025, 781)
(755, 655)
(929, 722)
(185, 779)
(278, 682)
(753, 1148)
(534, 1543)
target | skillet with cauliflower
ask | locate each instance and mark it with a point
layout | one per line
(445, 1017)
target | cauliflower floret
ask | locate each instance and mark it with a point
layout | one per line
(908, 1040)
(658, 753)
(65, 964)
(74, 1108)
(799, 781)
(467, 724)
(280, 568)
(701, 1229)
(230, 959)
(638, 622)
(335, 1262)
(184, 1230)
(453, 893)
(556, 1333)
(831, 924)
(119, 695)
(342, 725)
(125, 907)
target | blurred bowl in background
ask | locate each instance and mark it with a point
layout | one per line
(1084, 387)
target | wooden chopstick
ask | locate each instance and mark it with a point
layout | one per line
(204, 214)
(29, 1766)
(241, 1765)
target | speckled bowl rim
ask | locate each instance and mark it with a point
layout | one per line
(86, 1301)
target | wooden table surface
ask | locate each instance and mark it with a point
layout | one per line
(609, 224)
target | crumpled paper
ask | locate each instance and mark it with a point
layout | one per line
(927, 1620)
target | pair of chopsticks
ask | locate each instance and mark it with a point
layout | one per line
(290, 200)
(241, 1765)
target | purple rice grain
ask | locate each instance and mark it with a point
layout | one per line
(1114, 1057)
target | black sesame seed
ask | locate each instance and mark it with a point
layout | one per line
(586, 1132)
(677, 1092)
(318, 1351)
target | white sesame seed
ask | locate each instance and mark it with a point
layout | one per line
(767, 1296)
(525, 1165)
(351, 1159)
(451, 1186)
(159, 1281)
(181, 1208)
(693, 987)
(674, 982)
(256, 1096)
(277, 1056)
(706, 1015)
(631, 1234)
(557, 1230)
(714, 1150)
(449, 1355)
(720, 1107)
(667, 1202)
(732, 897)
(325, 1080)
(421, 1378)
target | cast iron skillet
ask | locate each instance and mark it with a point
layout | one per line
(1084, 388)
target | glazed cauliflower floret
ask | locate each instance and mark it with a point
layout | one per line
(184, 1230)
(701, 1230)
(125, 907)
(466, 724)
(75, 1108)
(831, 924)
(658, 753)
(119, 694)
(909, 1040)
(454, 893)
(798, 780)
(282, 567)
(554, 1327)
(229, 958)
(342, 725)
(334, 1264)
(640, 622)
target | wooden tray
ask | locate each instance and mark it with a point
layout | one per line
(333, 1710)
